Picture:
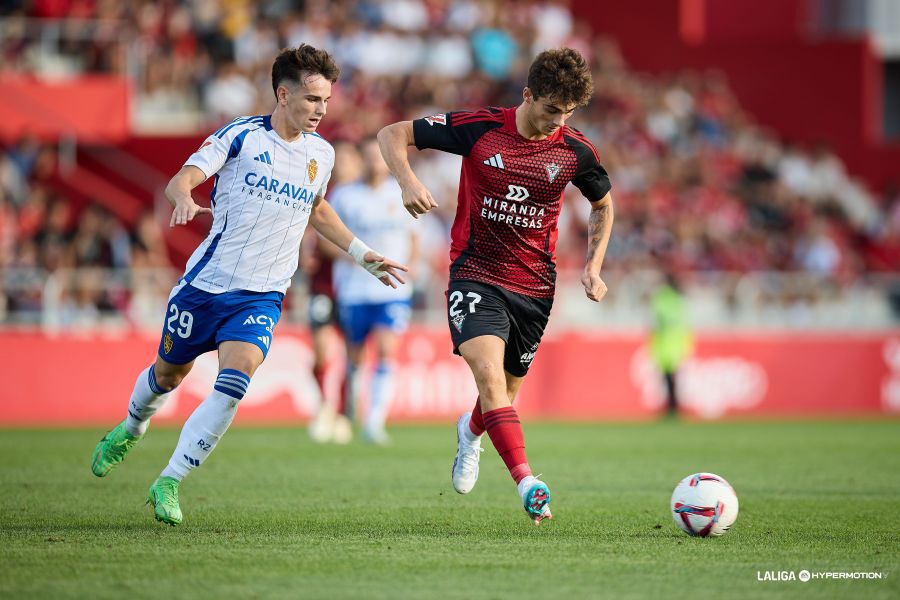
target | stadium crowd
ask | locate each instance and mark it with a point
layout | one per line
(698, 186)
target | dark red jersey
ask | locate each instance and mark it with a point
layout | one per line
(510, 195)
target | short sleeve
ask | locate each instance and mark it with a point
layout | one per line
(324, 187)
(210, 156)
(223, 145)
(455, 132)
(590, 176)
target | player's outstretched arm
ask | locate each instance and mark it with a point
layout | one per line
(178, 193)
(329, 224)
(599, 228)
(394, 141)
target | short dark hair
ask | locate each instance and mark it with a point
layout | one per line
(562, 75)
(292, 62)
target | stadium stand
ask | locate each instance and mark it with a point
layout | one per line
(765, 231)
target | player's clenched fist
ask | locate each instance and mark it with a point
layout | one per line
(594, 287)
(417, 200)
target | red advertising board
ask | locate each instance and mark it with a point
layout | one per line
(86, 379)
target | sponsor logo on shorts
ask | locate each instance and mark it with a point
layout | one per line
(269, 322)
(526, 358)
(168, 342)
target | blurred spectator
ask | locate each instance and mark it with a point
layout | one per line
(696, 183)
(495, 49)
(229, 94)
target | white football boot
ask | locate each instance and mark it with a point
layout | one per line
(321, 428)
(465, 465)
(342, 433)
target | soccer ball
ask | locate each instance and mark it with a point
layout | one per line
(704, 504)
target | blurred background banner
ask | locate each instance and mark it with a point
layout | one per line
(754, 150)
(91, 109)
(580, 376)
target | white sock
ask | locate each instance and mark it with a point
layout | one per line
(207, 424)
(352, 388)
(470, 437)
(146, 398)
(525, 484)
(382, 395)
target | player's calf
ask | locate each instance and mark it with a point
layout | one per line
(208, 423)
(147, 396)
(199, 437)
(150, 393)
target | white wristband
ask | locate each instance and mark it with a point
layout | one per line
(358, 250)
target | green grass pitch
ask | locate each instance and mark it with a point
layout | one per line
(271, 515)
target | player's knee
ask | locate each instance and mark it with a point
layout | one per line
(484, 368)
(233, 383)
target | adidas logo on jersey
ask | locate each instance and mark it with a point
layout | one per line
(264, 158)
(264, 339)
(495, 161)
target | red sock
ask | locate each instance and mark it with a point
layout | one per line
(343, 402)
(319, 374)
(476, 424)
(505, 431)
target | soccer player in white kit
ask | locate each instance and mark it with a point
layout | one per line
(372, 209)
(271, 173)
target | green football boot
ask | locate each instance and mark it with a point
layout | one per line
(111, 450)
(163, 496)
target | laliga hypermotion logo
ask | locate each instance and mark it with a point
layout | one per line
(440, 119)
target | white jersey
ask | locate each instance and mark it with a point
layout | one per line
(261, 200)
(377, 217)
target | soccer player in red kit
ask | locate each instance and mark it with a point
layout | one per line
(517, 163)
